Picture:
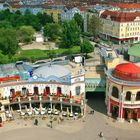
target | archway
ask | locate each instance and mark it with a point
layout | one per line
(115, 111)
(12, 93)
(58, 91)
(36, 92)
(115, 92)
(47, 90)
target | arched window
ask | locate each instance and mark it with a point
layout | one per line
(115, 92)
(138, 96)
(128, 96)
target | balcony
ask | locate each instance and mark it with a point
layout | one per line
(44, 99)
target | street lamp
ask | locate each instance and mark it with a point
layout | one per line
(51, 121)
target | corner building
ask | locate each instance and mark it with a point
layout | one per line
(121, 26)
(123, 92)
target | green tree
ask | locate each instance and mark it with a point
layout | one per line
(44, 18)
(4, 58)
(86, 47)
(71, 34)
(52, 30)
(79, 20)
(8, 41)
(25, 34)
(94, 26)
(5, 24)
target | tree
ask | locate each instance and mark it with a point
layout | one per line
(25, 34)
(79, 20)
(94, 26)
(4, 58)
(52, 30)
(5, 24)
(44, 18)
(71, 34)
(8, 41)
(86, 47)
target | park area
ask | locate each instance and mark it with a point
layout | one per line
(38, 51)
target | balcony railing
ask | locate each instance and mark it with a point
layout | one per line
(43, 99)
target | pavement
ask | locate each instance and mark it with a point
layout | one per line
(82, 129)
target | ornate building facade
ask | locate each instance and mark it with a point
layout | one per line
(44, 87)
(123, 92)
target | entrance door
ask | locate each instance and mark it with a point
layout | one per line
(135, 115)
(115, 111)
(36, 91)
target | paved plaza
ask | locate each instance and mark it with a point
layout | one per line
(83, 129)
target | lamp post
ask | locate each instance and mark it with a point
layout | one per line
(51, 121)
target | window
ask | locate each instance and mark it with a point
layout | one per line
(128, 96)
(115, 92)
(77, 90)
(138, 96)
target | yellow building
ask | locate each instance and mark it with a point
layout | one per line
(55, 13)
(120, 26)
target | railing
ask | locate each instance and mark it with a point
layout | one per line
(41, 98)
(119, 81)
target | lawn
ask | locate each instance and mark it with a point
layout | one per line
(36, 54)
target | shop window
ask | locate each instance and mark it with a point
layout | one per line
(77, 90)
(138, 96)
(128, 96)
(115, 92)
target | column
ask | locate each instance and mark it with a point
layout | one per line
(138, 118)
(120, 115)
(61, 107)
(109, 111)
(40, 101)
(82, 112)
(71, 111)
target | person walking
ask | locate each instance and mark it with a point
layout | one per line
(101, 134)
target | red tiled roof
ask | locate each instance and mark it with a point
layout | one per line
(120, 16)
(126, 5)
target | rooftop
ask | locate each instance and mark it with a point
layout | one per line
(126, 5)
(49, 70)
(127, 71)
(120, 16)
(135, 50)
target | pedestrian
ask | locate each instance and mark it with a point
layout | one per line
(101, 134)
(92, 112)
(36, 122)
